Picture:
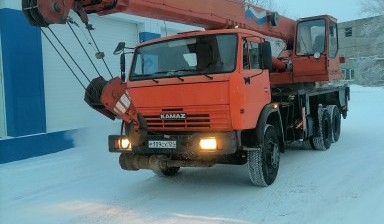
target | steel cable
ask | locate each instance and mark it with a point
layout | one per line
(65, 49)
(61, 56)
(65, 61)
(93, 64)
(90, 34)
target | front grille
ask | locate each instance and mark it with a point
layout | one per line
(213, 118)
(192, 121)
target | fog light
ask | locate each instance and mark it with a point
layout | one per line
(125, 144)
(208, 143)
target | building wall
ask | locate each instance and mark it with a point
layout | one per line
(65, 107)
(10, 4)
(3, 129)
(360, 43)
(356, 43)
(43, 102)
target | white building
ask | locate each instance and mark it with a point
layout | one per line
(40, 100)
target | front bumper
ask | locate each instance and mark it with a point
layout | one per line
(180, 144)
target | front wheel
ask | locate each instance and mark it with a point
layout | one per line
(263, 163)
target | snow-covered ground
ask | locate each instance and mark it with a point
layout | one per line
(86, 185)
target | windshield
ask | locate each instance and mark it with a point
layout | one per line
(210, 54)
(310, 37)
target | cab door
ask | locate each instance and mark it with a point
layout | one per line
(254, 90)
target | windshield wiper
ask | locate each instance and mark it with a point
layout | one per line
(172, 74)
(205, 73)
(179, 77)
(174, 71)
(145, 75)
(208, 76)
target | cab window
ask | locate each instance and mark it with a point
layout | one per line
(251, 55)
(310, 37)
(333, 43)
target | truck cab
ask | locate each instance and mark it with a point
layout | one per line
(197, 92)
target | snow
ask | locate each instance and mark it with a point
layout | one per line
(86, 185)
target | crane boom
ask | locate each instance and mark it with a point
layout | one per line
(208, 14)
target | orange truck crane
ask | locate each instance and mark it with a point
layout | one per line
(216, 96)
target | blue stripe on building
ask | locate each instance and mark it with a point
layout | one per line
(23, 74)
(36, 145)
(145, 36)
(23, 79)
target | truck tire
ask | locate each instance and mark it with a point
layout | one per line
(335, 122)
(263, 163)
(323, 138)
(308, 144)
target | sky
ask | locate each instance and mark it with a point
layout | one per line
(342, 10)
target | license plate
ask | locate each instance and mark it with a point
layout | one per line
(162, 144)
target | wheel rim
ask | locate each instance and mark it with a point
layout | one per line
(275, 156)
(272, 156)
(336, 127)
(326, 129)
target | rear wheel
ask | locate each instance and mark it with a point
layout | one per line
(335, 122)
(323, 138)
(263, 163)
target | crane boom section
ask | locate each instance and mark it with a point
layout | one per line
(208, 14)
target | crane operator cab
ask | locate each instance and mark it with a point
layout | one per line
(316, 43)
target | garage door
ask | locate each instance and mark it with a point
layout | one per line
(65, 108)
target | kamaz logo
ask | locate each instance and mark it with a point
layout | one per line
(173, 116)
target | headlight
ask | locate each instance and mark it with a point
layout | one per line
(208, 143)
(125, 144)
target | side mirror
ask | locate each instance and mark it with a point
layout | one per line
(266, 53)
(120, 47)
(122, 67)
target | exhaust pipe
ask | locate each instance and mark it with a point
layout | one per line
(134, 162)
